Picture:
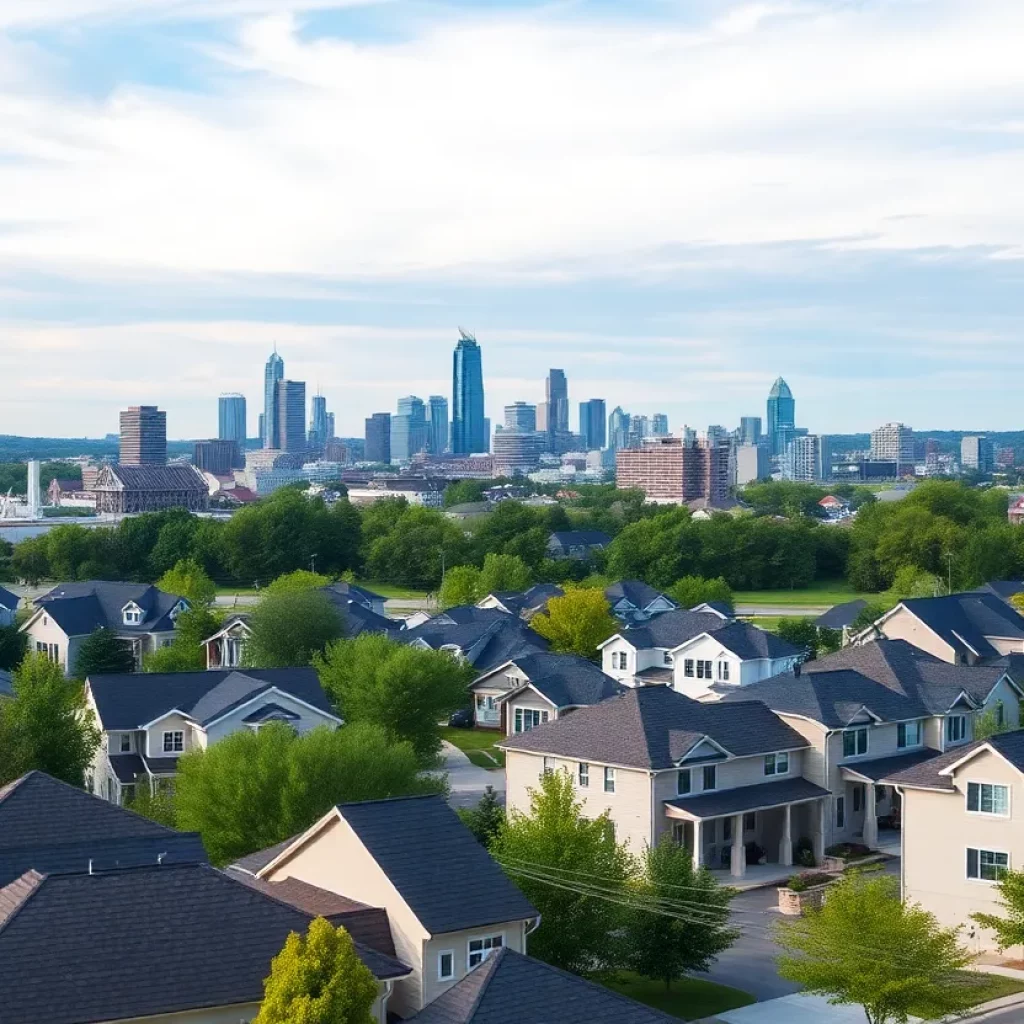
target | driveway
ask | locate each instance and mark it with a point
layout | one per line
(467, 781)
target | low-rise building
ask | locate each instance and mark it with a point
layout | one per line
(8, 607)
(147, 488)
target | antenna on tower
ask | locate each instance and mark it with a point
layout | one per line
(466, 336)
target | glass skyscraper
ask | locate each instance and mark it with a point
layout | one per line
(750, 430)
(468, 429)
(231, 418)
(437, 424)
(291, 416)
(408, 429)
(272, 373)
(593, 424)
(781, 417)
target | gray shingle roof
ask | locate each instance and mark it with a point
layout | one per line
(671, 629)
(927, 774)
(891, 678)
(748, 642)
(530, 601)
(1004, 589)
(510, 988)
(352, 592)
(9, 600)
(567, 680)
(841, 615)
(444, 875)
(580, 538)
(81, 608)
(653, 727)
(485, 644)
(180, 477)
(129, 701)
(881, 767)
(748, 798)
(212, 938)
(636, 592)
(968, 619)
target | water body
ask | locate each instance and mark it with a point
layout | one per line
(12, 531)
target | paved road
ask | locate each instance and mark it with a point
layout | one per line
(467, 781)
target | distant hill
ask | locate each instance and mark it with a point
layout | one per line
(20, 449)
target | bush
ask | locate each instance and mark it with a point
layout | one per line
(803, 882)
(848, 851)
(803, 853)
(754, 853)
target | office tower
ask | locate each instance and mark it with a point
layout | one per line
(517, 452)
(977, 453)
(639, 428)
(259, 428)
(557, 395)
(521, 418)
(593, 425)
(688, 434)
(543, 417)
(781, 417)
(659, 425)
(717, 435)
(801, 459)
(468, 431)
(618, 429)
(143, 436)
(330, 427)
(218, 457)
(231, 418)
(291, 416)
(378, 437)
(825, 458)
(670, 471)
(318, 433)
(750, 429)
(437, 424)
(408, 429)
(487, 434)
(272, 373)
(894, 442)
(752, 464)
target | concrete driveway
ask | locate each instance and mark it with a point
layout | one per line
(467, 781)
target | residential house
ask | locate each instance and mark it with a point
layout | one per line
(525, 604)
(581, 544)
(1005, 590)
(841, 617)
(962, 831)
(8, 607)
(531, 689)
(349, 592)
(870, 711)
(139, 614)
(1015, 513)
(225, 648)
(635, 601)
(448, 903)
(147, 725)
(509, 988)
(715, 776)
(964, 629)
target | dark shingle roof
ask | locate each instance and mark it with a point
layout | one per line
(636, 592)
(530, 601)
(841, 615)
(126, 767)
(653, 727)
(748, 798)
(350, 591)
(567, 680)
(9, 600)
(444, 875)
(580, 538)
(181, 477)
(882, 767)
(1004, 589)
(967, 619)
(128, 702)
(748, 642)
(255, 862)
(927, 774)
(672, 629)
(81, 608)
(485, 644)
(891, 678)
(212, 937)
(510, 988)
(357, 612)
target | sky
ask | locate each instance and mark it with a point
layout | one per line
(675, 201)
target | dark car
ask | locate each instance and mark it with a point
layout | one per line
(461, 719)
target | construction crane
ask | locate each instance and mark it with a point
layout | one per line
(466, 336)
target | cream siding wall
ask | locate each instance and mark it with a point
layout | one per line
(44, 630)
(902, 625)
(812, 759)
(155, 736)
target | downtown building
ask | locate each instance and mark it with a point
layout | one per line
(808, 459)
(781, 409)
(593, 424)
(291, 417)
(437, 424)
(670, 471)
(231, 419)
(377, 446)
(408, 429)
(143, 436)
(977, 453)
(518, 447)
(894, 442)
(273, 372)
(469, 425)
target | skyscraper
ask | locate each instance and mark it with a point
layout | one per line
(291, 416)
(408, 429)
(894, 442)
(593, 425)
(557, 395)
(467, 397)
(977, 453)
(659, 425)
(378, 437)
(618, 429)
(318, 434)
(521, 418)
(781, 417)
(750, 429)
(437, 424)
(330, 427)
(272, 373)
(802, 459)
(143, 436)
(231, 418)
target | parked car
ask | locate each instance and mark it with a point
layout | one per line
(461, 719)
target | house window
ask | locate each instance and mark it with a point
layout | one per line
(986, 798)
(679, 833)
(583, 774)
(855, 742)
(710, 777)
(688, 668)
(908, 734)
(529, 718)
(1000, 714)
(840, 812)
(683, 782)
(750, 821)
(174, 742)
(609, 780)
(723, 671)
(481, 949)
(50, 651)
(446, 965)
(619, 660)
(987, 865)
(776, 764)
(704, 669)
(126, 742)
(132, 616)
(956, 729)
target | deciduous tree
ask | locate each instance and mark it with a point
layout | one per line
(103, 653)
(188, 579)
(1009, 925)
(186, 652)
(291, 628)
(691, 591)
(13, 645)
(576, 622)
(504, 572)
(461, 586)
(297, 581)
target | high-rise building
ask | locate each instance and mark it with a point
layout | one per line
(487, 434)
(825, 458)
(977, 453)
(593, 425)
(752, 463)
(717, 435)
(521, 417)
(143, 436)
(468, 431)
(618, 429)
(318, 433)
(408, 429)
(801, 460)
(437, 424)
(272, 373)
(781, 417)
(218, 456)
(291, 416)
(517, 452)
(659, 425)
(259, 428)
(669, 471)
(330, 427)
(750, 429)
(894, 442)
(378, 437)
(557, 396)
(231, 418)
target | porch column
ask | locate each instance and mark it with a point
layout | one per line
(786, 842)
(819, 831)
(870, 818)
(739, 851)
(698, 846)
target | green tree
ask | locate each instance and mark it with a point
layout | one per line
(405, 690)
(666, 946)
(866, 947)
(408, 544)
(554, 842)
(103, 653)
(254, 789)
(910, 581)
(188, 579)
(155, 803)
(486, 819)
(1018, 602)
(868, 615)
(291, 628)
(691, 591)
(1008, 926)
(186, 652)
(299, 580)
(13, 645)
(47, 725)
(465, 492)
(990, 723)
(800, 632)
(577, 622)
(461, 586)
(504, 573)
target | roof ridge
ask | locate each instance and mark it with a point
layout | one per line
(388, 800)
(490, 965)
(31, 881)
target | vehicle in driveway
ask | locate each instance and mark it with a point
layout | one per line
(461, 719)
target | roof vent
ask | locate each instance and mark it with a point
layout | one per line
(796, 669)
(90, 865)
(160, 857)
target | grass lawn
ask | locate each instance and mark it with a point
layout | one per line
(688, 999)
(477, 745)
(390, 590)
(236, 592)
(769, 622)
(993, 986)
(818, 594)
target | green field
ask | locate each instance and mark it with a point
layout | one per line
(688, 998)
(477, 745)
(390, 590)
(817, 595)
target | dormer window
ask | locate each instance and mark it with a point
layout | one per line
(181, 606)
(131, 614)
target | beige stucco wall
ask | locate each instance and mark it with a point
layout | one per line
(901, 625)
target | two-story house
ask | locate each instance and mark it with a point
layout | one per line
(139, 614)
(636, 601)
(525, 604)
(962, 831)
(872, 710)
(531, 689)
(8, 607)
(722, 778)
(449, 905)
(148, 724)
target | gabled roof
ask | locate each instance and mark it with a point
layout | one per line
(892, 679)
(81, 608)
(935, 773)
(1003, 589)
(211, 938)
(964, 621)
(9, 600)
(529, 601)
(510, 988)
(653, 727)
(580, 538)
(841, 615)
(447, 879)
(719, 608)
(180, 477)
(485, 644)
(671, 629)
(126, 702)
(636, 592)
(359, 619)
(567, 680)
(748, 642)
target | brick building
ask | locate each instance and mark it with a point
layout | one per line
(669, 471)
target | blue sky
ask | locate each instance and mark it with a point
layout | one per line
(674, 200)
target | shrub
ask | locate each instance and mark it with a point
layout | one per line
(807, 880)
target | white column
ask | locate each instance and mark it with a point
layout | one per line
(739, 851)
(698, 846)
(870, 818)
(786, 842)
(819, 831)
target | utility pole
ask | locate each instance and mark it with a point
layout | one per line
(949, 573)
(312, 563)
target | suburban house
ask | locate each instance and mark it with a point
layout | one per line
(224, 649)
(964, 629)
(698, 653)
(349, 592)
(525, 604)
(841, 617)
(1015, 513)
(634, 601)
(582, 544)
(8, 607)
(448, 904)
(531, 689)
(148, 724)
(1005, 590)
(963, 831)
(726, 780)
(870, 711)
(137, 613)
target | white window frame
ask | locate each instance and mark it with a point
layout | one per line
(609, 780)
(779, 763)
(485, 951)
(131, 616)
(901, 731)
(583, 775)
(962, 738)
(981, 785)
(549, 764)
(174, 748)
(723, 670)
(713, 769)
(666, 657)
(441, 976)
(688, 670)
(705, 669)
(519, 722)
(979, 851)
(124, 745)
(856, 731)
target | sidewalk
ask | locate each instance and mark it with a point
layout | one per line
(466, 780)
